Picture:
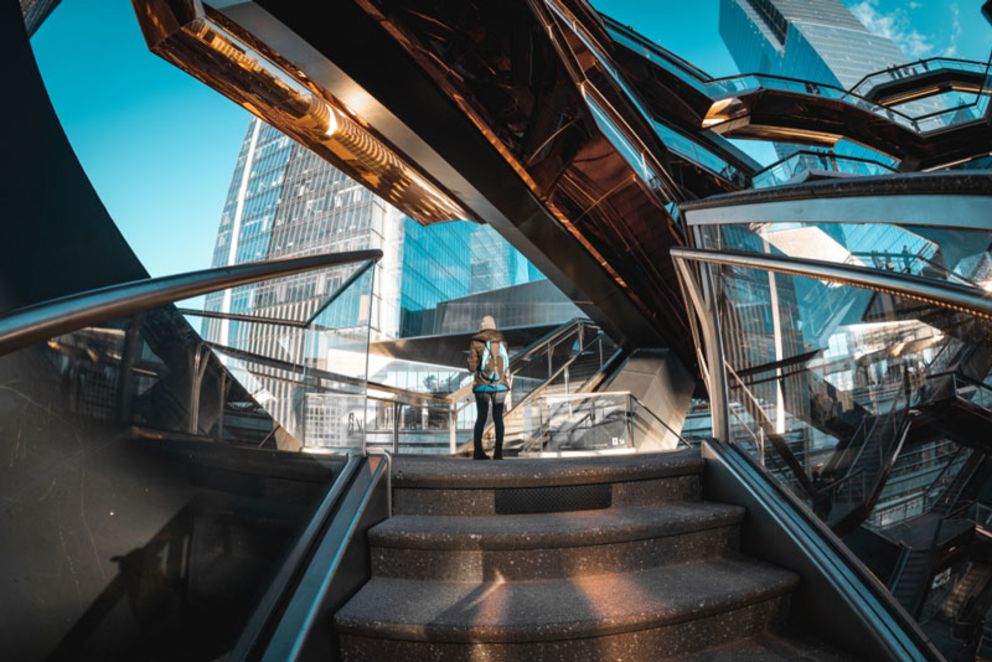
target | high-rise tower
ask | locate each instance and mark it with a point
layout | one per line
(815, 40)
(285, 201)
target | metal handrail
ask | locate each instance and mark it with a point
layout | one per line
(655, 416)
(963, 280)
(944, 294)
(778, 442)
(829, 155)
(911, 64)
(31, 324)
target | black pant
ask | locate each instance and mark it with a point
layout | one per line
(482, 401)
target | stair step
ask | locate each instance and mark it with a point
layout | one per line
(515, 547)
(445, 472)
(430, 501)
(767, 648)
(678, 608)
(446, 486)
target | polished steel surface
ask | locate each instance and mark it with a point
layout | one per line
(609, 134)
(574, 135)
(22, 327)
(955, 211)
(875, 112)
(836, 583)
(944, 294)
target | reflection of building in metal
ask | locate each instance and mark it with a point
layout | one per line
(35, 12)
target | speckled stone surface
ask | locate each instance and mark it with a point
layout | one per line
(642, 492)
(648, 644)
(515, 565)
(578, 528)
(766, 648)
(414, 501)
(656, 574)
(560, 608)
(482, 501)
(947, 183)
(457, 473)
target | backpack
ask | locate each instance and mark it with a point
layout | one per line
(493, 364)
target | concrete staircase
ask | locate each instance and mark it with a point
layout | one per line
(578, 559)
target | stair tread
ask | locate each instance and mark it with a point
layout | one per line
(769, 648)
(567, 529)
(459, 473)
(568, 608)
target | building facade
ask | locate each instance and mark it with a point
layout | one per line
(285, 201)
(816, 41)
(819, 41)
(35, 12)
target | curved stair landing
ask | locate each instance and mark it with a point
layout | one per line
(576, 559)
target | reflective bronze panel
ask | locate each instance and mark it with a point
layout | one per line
(206, 45)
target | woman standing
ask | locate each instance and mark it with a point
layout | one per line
(489, 361)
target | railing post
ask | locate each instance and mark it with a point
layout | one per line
(452, 429)
(222, 397)
(761, 445)
(397, 409)
(198, 368)
(630, 421)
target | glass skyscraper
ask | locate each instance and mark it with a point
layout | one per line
(819, 41)
(285, 201)
(35, 12)
(812, 40)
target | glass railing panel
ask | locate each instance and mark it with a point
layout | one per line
(300, 346)
(145, 504)
(667, 61)
(599, 422)
(958, 256)
(592, 422)
(914, 69)
(422, 428)
(570, 363)
(698, 426)
(693, 151)
(803, 164)
(828, 409)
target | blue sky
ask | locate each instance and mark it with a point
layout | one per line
(160, 147)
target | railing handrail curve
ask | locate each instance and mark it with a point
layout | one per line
(25, 326)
